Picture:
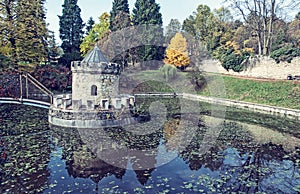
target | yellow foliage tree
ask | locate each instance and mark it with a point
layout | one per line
(176, 53)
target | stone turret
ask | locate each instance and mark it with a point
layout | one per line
(95, 81)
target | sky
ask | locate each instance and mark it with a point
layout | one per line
(170, 9)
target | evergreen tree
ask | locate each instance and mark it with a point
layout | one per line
(53, 50)
(173, 27)
(298, 16)
(146, 14)
(119, 15)
(31, 42)
(90, 24)
(119, 19)
(71, 31)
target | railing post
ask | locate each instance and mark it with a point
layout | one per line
(21, 87)
(26, 86)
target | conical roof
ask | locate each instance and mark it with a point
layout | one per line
(95, 56)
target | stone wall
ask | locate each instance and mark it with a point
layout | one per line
(89, 119)
(263, 67)
(107, 86)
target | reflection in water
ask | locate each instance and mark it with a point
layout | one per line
(115, 160)
(96, 154)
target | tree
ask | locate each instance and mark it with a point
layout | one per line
(260, 16)
(23, 31)
(203, 23)
(231, 56)
(53, 50)
(8, 30)
(90, 24)
(119, 15)
(119, 20)
(205, 27)
(176, 53)
(294, 31)
(95, 34)
(32, 32)
(243, 37)
(189, 25)
(298, 16)
(173, 27)
(146, 13)
(70, 31)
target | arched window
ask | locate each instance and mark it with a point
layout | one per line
(94, 90)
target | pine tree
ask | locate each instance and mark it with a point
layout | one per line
(147, 13)
(90, 24)
(53, 50)
(71, 31)
(173, 27)
(176, 53)
(32, 32)
(119, 15)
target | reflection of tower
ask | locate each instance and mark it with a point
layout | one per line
(86, 165)
(80, 160)
(145, 161)
(97, 153)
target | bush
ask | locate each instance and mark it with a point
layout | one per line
(235, 61)
(4, 61)
(58, 78)
(198, 81)
(286, 53)
(169, 71)
(231, 57)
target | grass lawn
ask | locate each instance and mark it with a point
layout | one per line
(276, 93)
(282, 93)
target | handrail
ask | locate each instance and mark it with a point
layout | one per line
(35, 80)
(38, 85)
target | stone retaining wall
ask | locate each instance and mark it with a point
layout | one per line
(293, 113)
(263, 67)
(89, 119)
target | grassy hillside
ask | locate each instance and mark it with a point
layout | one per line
(276, 93)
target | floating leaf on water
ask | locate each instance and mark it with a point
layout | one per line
(188, 186)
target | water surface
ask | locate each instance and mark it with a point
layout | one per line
(252, 153)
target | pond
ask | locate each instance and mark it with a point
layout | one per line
(251, 153)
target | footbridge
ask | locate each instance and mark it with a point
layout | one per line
(22, 88)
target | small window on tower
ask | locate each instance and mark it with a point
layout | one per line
(94, 90)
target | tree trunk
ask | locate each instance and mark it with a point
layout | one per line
(270, 30)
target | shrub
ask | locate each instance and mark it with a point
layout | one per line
(58, 78)
(169, 71)
(231, 57)
(198, 81)
(286, 53)
(4, 61)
